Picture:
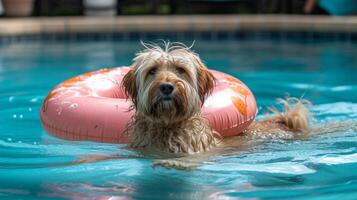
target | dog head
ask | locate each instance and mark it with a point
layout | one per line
(168, 84)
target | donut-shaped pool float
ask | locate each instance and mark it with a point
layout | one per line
(94, 107)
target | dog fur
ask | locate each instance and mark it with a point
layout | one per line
(173, 122)
(175, 125)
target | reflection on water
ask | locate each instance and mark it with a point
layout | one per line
(33, 164)
(84, 191)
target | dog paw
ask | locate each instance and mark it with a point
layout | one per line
(174, 164)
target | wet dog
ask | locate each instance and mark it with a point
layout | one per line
(168, 87)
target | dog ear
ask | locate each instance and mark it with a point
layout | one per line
(129, 85)
(206, 81)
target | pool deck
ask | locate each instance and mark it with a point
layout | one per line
(179, 23)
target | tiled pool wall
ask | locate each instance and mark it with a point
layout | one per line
(183, 36)
(216, 27)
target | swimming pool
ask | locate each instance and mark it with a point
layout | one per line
(34, 165)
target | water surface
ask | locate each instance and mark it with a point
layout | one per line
(35, 165)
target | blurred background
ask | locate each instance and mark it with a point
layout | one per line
(11, 8)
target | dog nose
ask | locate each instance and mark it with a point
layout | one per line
(166, 88)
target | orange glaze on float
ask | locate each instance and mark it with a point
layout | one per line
(93, 107)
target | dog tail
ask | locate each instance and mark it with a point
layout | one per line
(296, 114)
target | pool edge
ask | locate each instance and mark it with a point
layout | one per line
(176, 23)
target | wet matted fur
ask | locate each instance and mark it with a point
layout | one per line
(175, 125)
(169, 122)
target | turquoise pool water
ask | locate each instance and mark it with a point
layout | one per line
(34, 165)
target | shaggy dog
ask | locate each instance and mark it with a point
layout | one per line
(168, 87)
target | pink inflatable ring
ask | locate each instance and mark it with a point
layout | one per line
(93, 107)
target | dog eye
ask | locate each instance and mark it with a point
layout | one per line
(180, 70)
(153, 71)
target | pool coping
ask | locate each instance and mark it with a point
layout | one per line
(177, 23)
